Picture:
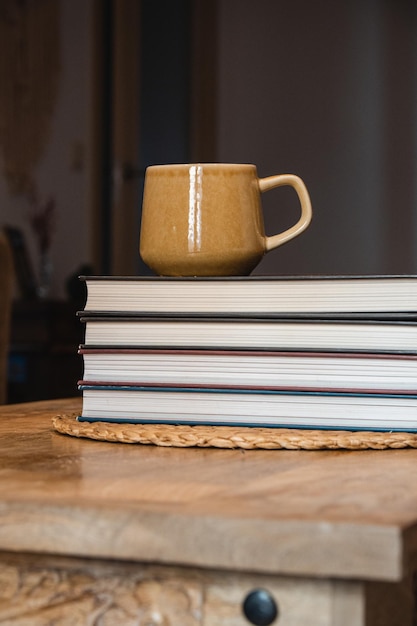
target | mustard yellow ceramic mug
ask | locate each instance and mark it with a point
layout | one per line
(205, 219)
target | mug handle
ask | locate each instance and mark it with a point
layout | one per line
(265, 184)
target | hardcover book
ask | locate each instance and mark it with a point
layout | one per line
(250, 369)
(253, 333)
(214, 406)
(254, 295)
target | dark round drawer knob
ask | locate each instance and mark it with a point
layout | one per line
(260, 607)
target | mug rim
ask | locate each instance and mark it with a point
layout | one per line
(206, 165)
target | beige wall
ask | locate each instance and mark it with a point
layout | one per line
(326, 90)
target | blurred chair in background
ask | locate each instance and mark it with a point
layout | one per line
(6, 291)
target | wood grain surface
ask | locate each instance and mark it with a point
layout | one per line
(339, 514)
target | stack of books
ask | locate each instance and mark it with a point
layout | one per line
(299, 352)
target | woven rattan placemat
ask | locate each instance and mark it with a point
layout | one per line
(249, 438)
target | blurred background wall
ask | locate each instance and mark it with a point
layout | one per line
(326, 90)
(62, 171)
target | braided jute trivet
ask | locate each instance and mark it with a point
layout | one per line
(249, 438)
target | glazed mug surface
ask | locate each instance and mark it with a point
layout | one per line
(205, 219)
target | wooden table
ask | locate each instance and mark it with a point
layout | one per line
(119, 534)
